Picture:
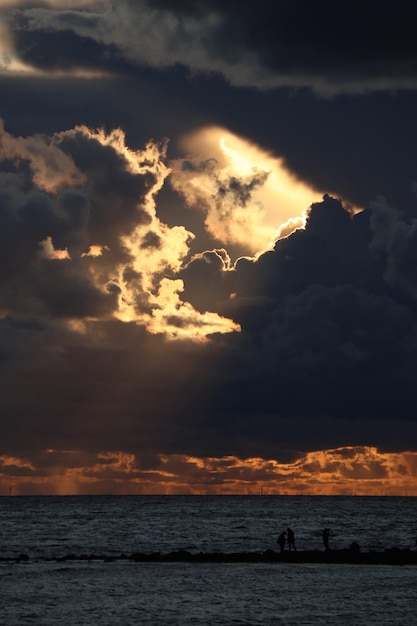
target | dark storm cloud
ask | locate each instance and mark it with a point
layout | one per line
(67, 293)
(332, 362)
(320, 45)
(117, 194)
(325, 356)
(28, 282)
(328, 339)
(208, 280)
(41, 212)
(353, 147)
(327, 351)
(60, 51)
(356, 148)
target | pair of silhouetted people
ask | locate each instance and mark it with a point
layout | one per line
(284, 537)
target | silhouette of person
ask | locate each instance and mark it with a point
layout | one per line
(354, 547)
(281, 541)
(326, 535)
(291, 539)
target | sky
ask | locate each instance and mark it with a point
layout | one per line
(208, 236)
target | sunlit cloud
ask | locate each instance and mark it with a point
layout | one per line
(11, 64)
(51, 167)
(49, 252)
(178, 319)
(163, 36)
(95, 251)
(341, 471)
(155, 249)
(10, 462)
(54, 4)
(248, 196)
(134, 260)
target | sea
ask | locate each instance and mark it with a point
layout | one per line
(39, 584)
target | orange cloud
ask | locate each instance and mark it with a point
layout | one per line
(49, 252)
(360, 470)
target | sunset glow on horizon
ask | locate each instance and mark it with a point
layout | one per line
(348, 471)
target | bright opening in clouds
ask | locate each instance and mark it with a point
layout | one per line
(247, 196)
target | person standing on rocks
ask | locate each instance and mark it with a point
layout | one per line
(291, 539)
(281, 541)
(326, 535)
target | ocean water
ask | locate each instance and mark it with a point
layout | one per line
(44, 590)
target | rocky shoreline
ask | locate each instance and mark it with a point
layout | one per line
(390, 556)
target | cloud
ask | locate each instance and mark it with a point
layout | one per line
(340, 471)
(310, 343)
(338, 145)
(197, 311)
(262, 45)
(50, 167)
(209, 279)
(324, 359)
(327, 343)
(395, 238)
(89, 191)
